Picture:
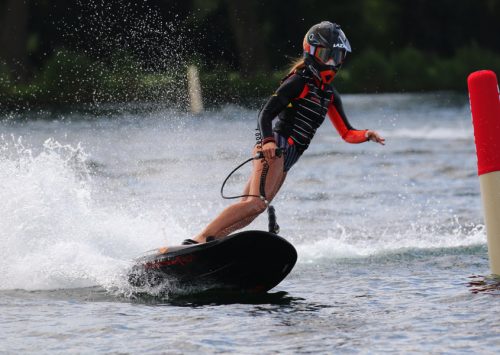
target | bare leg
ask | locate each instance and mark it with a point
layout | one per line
(241, 213)
(245, 222)
(246, 190)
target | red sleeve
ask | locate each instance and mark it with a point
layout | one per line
(345, 130)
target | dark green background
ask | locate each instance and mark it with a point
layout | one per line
(76, 51)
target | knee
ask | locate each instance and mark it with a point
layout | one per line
(255, 205)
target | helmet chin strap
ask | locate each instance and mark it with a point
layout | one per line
(327, 76)
(324, 76)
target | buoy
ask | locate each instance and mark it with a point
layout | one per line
(194, 88)
(484, 99)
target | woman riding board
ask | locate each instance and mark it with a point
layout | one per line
(301, 103)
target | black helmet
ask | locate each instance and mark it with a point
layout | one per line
(325, 48)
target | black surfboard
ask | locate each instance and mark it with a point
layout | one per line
(250, 261)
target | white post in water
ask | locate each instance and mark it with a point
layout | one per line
(484, 99)
(194, 89)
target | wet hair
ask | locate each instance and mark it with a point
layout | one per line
(296, 64)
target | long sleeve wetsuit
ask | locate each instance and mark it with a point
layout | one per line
(301, 105)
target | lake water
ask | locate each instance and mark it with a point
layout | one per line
(388, 238)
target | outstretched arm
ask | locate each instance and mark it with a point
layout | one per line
(346, 131)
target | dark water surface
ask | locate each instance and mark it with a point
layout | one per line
(389, 238)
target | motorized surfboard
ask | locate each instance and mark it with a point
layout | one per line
(250, 261)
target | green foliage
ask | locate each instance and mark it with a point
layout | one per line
(137, 51)
(4, 79)
(370, 71)
(412, 70)
(469, 59)
(68, 77)
(223, 86)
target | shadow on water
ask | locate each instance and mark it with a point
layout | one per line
(219, 298)
(195, 299)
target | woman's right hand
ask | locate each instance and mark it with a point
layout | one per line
(375, 137)
(269, 150)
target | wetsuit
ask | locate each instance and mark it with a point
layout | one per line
(301, 104)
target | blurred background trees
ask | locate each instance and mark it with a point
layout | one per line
(115, 50)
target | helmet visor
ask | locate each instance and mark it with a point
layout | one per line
(330, 56)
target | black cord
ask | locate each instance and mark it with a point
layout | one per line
(230, 174)
(273, 226)
(263, 176)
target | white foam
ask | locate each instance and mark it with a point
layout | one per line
(52, 233)
(341, 244)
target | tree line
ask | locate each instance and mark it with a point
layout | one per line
(397, 45)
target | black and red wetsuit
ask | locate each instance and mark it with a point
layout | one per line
(301, 104)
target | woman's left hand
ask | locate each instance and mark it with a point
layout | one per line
(375, 137)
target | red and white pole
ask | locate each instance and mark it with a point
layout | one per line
(484, 99)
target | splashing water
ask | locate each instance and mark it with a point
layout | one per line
(52, 234)
(75, 214)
